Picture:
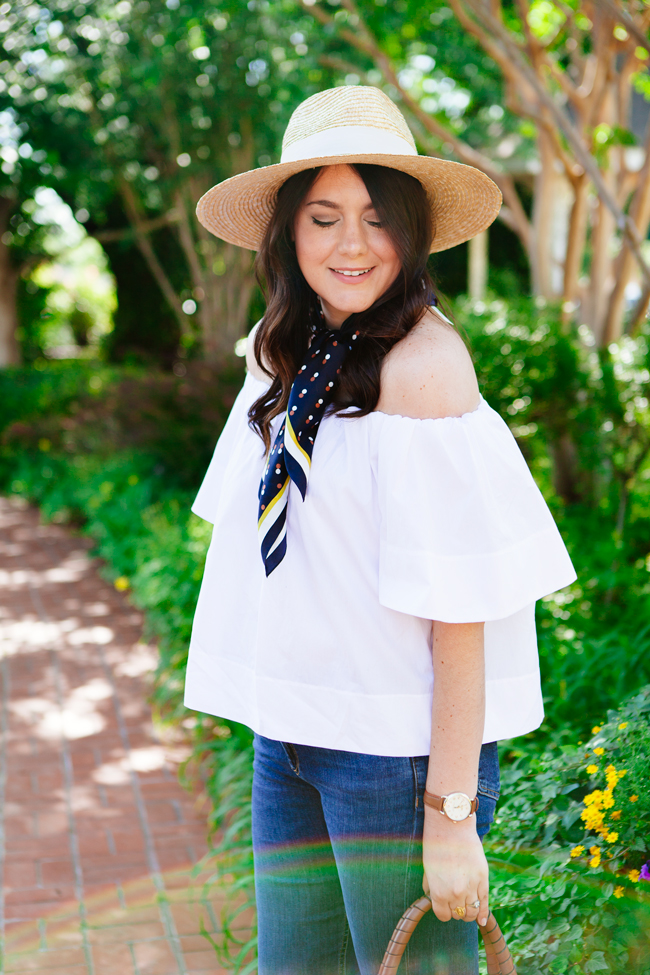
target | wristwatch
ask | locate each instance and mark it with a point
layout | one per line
(456, 806)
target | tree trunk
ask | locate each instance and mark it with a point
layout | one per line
(576, 239)
(478, 266)
(224, 310)
(600, 285)
(550, 218)
(222, 273)
(626, 263)
(9, 349)
(565, 468)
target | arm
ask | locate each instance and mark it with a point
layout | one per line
(428, 375)
(455, 867)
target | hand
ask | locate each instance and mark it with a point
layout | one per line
(455, 868)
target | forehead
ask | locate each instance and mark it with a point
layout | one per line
(339, 184)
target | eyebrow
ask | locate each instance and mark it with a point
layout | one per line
(332, 206)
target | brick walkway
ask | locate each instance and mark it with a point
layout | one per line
(97, 837)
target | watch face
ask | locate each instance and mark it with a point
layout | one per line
(457, 806)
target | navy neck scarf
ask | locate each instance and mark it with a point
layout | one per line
(289, 460)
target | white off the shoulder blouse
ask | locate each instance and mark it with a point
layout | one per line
(405, 521)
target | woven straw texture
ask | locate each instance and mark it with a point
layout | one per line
(346, 106)
(464, 201)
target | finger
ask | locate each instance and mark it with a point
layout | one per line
(484, 909)
(442, 910)
(458, 910)
(471, 911)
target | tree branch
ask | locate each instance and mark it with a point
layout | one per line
(147, 251)
(187, 241)
(620, 14)
(583, 156)
(146, 227)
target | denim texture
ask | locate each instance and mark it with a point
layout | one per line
(337, 840)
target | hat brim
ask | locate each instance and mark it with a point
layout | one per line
(464, 201)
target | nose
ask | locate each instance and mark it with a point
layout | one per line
(353, 239)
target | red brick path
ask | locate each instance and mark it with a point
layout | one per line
(97, 837)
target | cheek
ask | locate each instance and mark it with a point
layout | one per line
(310, 249)
(386, 252)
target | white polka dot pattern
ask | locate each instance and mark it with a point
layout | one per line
(290, 456)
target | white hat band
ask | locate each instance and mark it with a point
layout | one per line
(348, 140)
(348, 125)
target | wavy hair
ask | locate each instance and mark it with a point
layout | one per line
(283, 335)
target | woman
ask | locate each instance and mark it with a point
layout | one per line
(400, 539)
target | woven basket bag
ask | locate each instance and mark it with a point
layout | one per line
(499, 959)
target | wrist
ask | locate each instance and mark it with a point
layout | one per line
(442, 825)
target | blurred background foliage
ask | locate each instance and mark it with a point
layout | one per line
(119, 317)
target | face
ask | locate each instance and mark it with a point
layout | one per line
(344, 252)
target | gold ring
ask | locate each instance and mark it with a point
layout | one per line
(460, 911)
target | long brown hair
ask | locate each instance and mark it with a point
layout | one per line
(283, 335)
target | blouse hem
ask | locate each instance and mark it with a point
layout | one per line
(325, 717)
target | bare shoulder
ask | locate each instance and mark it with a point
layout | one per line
(429, 374)
(251, 362)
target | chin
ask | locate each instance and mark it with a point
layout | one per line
(359, 304)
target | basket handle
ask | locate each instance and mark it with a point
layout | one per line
(499, 959)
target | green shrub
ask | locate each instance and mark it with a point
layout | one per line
(581, 418)
(573, 898)
(174, 420)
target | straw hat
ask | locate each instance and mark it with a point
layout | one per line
(354, 124)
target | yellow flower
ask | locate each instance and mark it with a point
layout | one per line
(594, 798)
(599, 751)
(634, 876)
(592, 769)
(622, 725)
(608, 799)
(595, 850)
(592, 818)
(622, 773)
(595, 862)
(593, 815)
(611, 837)
(616, 814)
(633, 798)
(595, 729)
(121, 583)
(619, 891)
(577, 851)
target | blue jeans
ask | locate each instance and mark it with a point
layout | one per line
(337, 841)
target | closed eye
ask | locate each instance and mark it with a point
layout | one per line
(323, 223)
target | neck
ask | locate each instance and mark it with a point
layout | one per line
(334, 317)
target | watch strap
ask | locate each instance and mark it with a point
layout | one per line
(437, 802)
